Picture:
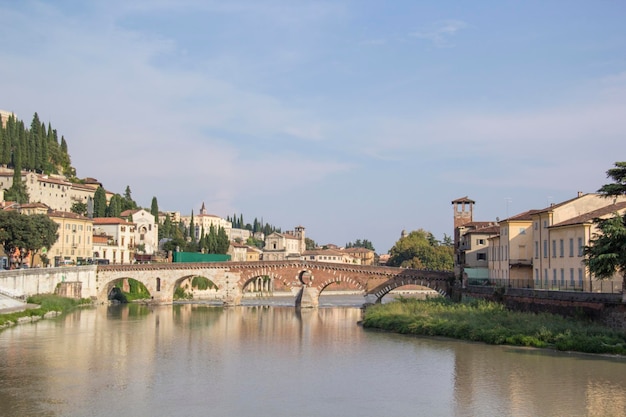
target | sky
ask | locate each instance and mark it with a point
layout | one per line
(356, 119)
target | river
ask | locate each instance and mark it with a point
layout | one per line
(267, 359)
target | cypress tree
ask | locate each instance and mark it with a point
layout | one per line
(99, 203)
(154, 209)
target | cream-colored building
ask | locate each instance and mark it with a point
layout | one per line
(120, 240)
(146, 229)
(364, 255)
(282, 246)
(238, 252)
(75, 242)
(330, 255)
(53, 190)
(510, 251)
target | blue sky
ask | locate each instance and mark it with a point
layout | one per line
(355, 119)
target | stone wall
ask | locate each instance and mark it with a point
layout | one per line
(601, 307)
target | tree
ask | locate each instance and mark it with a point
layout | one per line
(361, 244)
(21, 234)
(114, 208)
(606, 252)
(154, 209)
(79, 208)
(43, 234)
(618, 187)
(421, 251)
(309, 244)
(99, 203)
(127, 201)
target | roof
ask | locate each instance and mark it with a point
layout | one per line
(110, 220)
(589, 217)
(465, 199)
(66, 215)
(525, 216)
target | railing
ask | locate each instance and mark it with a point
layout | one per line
(595, 286)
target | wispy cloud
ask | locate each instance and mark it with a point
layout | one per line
(441, 32)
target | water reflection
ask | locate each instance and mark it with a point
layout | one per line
(269, 360)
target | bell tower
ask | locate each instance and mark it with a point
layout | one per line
(463, 211)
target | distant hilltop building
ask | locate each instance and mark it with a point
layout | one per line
(5, 116)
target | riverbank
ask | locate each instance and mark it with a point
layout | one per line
(39, 307)
(492, 323)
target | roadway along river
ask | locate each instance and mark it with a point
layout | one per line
(273, 361)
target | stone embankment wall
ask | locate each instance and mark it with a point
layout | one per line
(22, 283)
(604, 308)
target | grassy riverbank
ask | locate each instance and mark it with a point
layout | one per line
(47, 303)
(492, 323)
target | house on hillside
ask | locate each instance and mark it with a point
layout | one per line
(282, 246)
(146, 230)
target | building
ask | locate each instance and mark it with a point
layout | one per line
(120, 240)
(560, 233)
(75, 242)
(282, 246)
(510, 251)
(364, 255)
(330, 255)
(146, 230)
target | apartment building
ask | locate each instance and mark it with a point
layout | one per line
(75, 242)
(119, 246)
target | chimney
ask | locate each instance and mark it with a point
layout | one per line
(580, 194)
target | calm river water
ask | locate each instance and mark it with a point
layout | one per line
(272, 360)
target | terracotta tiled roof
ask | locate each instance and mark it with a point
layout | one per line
(127, 213)
(595, 214)
(66, 215)
(525, 216)
(110, 220)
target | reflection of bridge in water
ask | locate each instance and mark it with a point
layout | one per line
(306, 279)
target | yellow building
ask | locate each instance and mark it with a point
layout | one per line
(74, 244)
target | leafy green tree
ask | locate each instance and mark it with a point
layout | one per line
(17, 192)
(79, 208)
(26, 234)
(606, 252)
(309, 244)
(165, 230)
(43, 234)
(419, 250)
(99, 203)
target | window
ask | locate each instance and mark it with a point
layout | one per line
(562, 277)
(480, 241)
(481, 256)
(561, 248)
(581, 248)
(536, 225)
(536, 249)
(580, 277)
(571, 247)
(571, 276)
(554, 276)
(554, 248)
(545, 248)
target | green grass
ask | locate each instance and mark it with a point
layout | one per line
(492, 323)
(46, 302)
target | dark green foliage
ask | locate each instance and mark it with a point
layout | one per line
(27, 233)
(99, 203)
(79, 208)
(361, 244)
(137, 291)
(36, 149)
(420, 250)
(127, 201)
(202, 283)
(492, 323)
(114, 209)
(606, 253)
(154, 209)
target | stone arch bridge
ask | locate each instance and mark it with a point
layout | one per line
(304, 278)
